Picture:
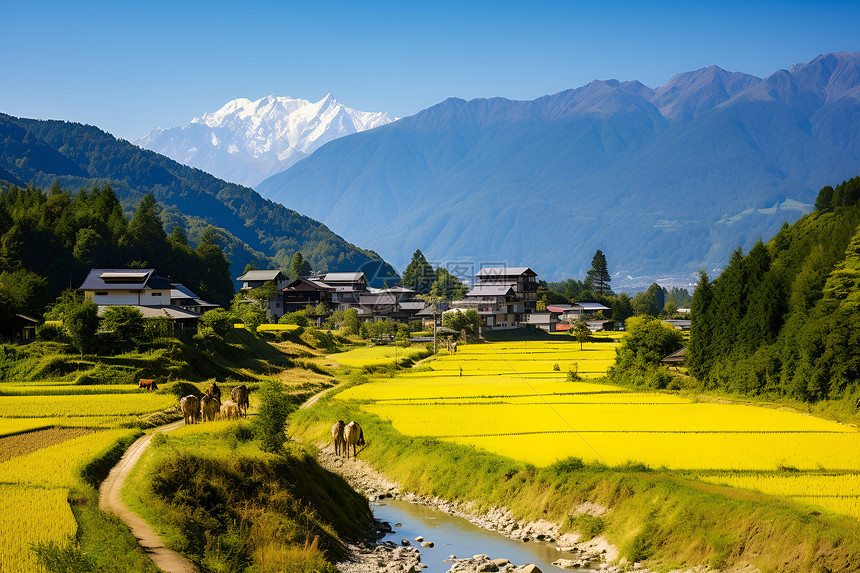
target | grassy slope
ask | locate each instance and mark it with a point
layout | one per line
(226, 505)
(653, 515)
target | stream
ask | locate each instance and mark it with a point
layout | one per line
(453, 535)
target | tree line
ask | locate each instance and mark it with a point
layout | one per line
(50, 240)
(783, 319)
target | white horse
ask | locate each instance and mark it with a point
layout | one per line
(353, 436)
(337, 437)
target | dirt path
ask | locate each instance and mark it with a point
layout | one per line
(110, 500)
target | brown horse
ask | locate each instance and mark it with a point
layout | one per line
(353, 436)
(209, 406)
(214, 391)
(190, 406)
(337, 437)
(239, 394)
(147, 384)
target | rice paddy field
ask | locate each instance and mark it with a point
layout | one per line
(515, 399)
(48, 432)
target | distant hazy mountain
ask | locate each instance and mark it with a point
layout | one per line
(253, 229)
(247, 141)
(663, 181)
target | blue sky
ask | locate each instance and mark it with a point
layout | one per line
(131, 67)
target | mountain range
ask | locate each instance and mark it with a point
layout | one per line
(247, 141)
(664, 181)
(252, 229)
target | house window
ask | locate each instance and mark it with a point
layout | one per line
(101, 293)
(155, 294)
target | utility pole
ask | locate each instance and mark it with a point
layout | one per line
(434, 328)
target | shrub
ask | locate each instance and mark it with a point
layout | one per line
(50, 332)
(220, 321)
(126, 322)
(275, 407)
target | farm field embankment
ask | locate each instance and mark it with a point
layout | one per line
(66, 419)
(510, 408)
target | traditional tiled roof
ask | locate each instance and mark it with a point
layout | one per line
(164, 311)
(124, 279)
(589, 306)
(309, 284)
(343, 277)
(490, 290)
(491, 272)
(266, 275)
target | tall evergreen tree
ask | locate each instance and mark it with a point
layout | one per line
(701, 330)
(598, 276)
(216, 284)
(299, 267)
(419, 275)
(146, 236)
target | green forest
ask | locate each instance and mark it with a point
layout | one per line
(50, 240)
(783, 320)
(253, 229)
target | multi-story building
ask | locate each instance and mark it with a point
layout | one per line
(256, 279)
(502, 296)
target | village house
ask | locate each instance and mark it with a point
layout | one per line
(257, 279)
(138, 288)
(305, 292)
(184, 298)
(348, 288)
(18, 327)
(502, 296)
(397, 303)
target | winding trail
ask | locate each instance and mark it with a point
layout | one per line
(110, 500)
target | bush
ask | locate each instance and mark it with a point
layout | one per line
(299, 318)
(50, 332)
(275, 407)
(126, 322)
(220, 321)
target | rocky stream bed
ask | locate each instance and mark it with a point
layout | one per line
(405, 557)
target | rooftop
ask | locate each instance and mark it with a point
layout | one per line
(124, 279)
(344, 277)
(267, 275)
(490, 290)
(499, 272)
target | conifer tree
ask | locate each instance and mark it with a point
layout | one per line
(598, 276)
(419, 275)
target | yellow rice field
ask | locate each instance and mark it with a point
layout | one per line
(57, 465)
(839, 493)
(507, 401)
(83, 405)
(32, 515)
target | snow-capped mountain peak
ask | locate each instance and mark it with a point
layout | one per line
(247, 141)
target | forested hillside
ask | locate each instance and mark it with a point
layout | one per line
(49, 241)
(784, 320)
(79, 156)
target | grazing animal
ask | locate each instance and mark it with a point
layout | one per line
(190, 405)
(239, 394)
(229, 410)
(353, 436)
(214, 391)
(209, 406)
(337, 437)
(147, 384)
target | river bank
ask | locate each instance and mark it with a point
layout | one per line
(595, 554)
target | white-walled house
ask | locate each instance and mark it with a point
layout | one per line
(138, 288)
(131, 287)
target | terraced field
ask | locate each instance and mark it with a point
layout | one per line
(47, 434)
(509, 398)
